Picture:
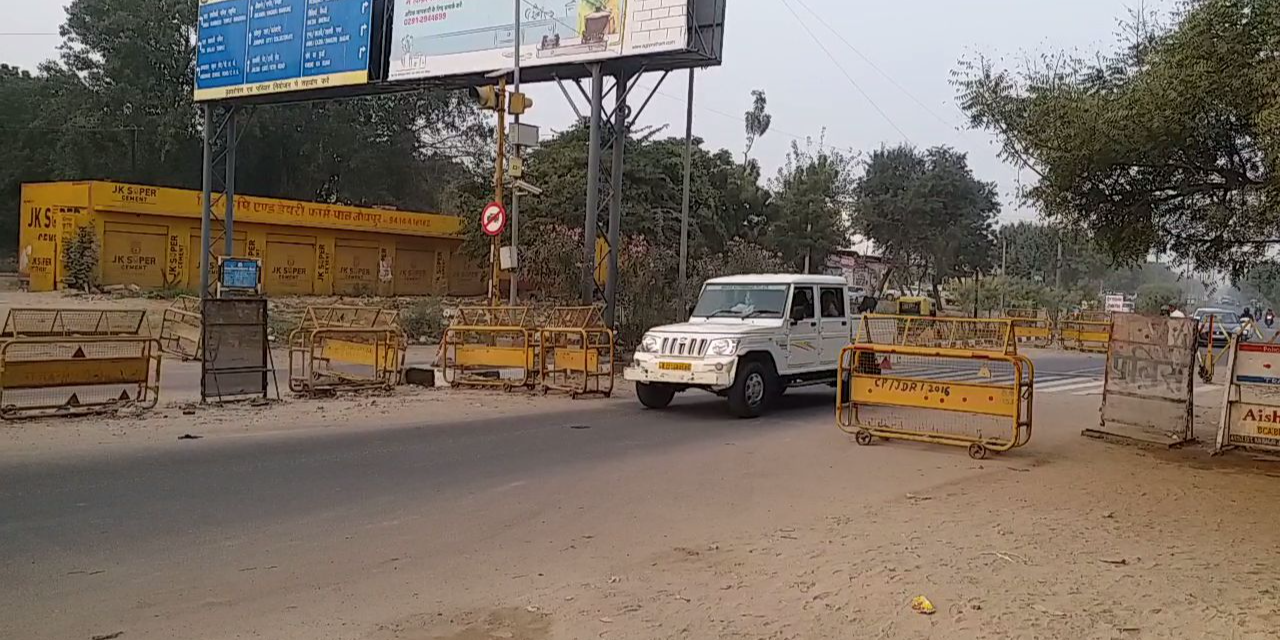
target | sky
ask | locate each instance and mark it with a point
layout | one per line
(869, 73)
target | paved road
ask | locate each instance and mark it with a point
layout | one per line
(168, 523)
(164, 541)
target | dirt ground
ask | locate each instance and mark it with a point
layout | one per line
(1073, 539)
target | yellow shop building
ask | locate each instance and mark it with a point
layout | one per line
(150, 237)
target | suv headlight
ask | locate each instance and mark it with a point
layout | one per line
(649, 344)
(723, 347)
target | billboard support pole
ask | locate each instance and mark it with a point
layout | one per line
(684, 206)
(515, 193)
(620, 115)
(499, 173)
(593, 187)
(206, 204)
(228, 246)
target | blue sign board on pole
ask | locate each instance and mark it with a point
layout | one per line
(240, 274)
(256, 47)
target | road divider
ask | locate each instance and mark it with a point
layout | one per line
(346, 349)
(981, 400)
(981, 335)
(181, 327)
(577, 352)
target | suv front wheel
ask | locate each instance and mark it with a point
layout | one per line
(654, 395)
(754, 387)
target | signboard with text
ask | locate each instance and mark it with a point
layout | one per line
(439, 38)
(251, 48)
(1251, 409)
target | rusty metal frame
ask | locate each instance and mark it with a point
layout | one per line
(184, 312)
(309, 356)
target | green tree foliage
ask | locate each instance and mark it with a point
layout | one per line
(81, 256)
(927, 212)
(1155, 298)
(757, 121)
(813, 194)
(1169, 145)
(1262, 283)
(117, 105)
(1029, 250)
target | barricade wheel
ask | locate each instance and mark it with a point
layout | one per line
(977, 451)
(863, 438)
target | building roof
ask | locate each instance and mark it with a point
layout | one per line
(780, 278)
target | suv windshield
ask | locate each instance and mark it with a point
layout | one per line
(742, 301)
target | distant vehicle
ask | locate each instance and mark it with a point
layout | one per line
(915, 306)
(1226, 323)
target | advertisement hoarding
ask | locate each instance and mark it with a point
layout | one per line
(440, 38)
(257, 47)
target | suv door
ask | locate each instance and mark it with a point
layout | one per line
(804, 341)
(834, 326)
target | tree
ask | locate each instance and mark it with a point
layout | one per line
(813, 193)
(927, 212)
(117, 105)
(1154, 298)
(1029, 250)
(758, 121)
(1170, 145)
(1262, 283)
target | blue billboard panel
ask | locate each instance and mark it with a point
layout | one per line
(255, 47)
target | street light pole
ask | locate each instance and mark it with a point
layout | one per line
(515, 193)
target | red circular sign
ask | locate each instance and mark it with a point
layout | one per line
(493, 221)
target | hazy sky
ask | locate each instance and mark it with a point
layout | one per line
(916, 43)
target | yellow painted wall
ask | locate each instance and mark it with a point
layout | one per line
(151, 237)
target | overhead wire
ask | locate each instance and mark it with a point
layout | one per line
(875, 66)
(848, 76)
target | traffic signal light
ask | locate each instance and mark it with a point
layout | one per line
(493, 99)
(518, 103)
(490, 98)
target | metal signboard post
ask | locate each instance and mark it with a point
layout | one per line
(237, 358)
(1251, 404)
(1149, 394)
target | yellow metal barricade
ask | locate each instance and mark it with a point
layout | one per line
(77, 375)
(577, 352)
(978, 400)
(48, 323)
(328, 360)
(1092, 336)
(490, 347)
(987, 335)
(1034, 332)
(181, 328)
(339, 317)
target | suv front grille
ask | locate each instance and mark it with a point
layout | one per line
(684, 346)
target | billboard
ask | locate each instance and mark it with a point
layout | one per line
(440, 38)
(251, 48)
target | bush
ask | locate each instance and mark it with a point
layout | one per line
(81, 259)
(424, 319)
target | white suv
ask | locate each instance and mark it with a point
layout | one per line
(749, 339)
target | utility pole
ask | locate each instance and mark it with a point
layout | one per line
(1004, 269)
(515, 193)
(684, 209)
(499, 177)
(1057, 272)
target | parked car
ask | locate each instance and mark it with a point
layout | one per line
(1226, 323)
